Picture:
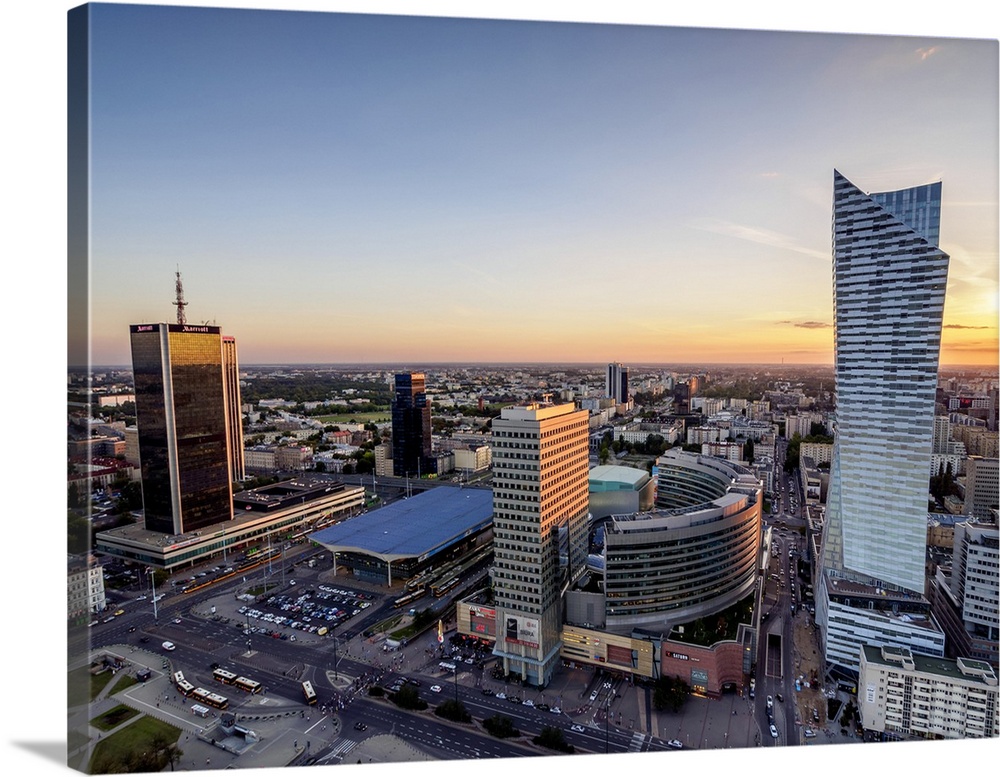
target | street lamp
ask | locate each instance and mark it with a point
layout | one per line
(607, 714)
(335, 659)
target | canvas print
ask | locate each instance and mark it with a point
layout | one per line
(449, 388)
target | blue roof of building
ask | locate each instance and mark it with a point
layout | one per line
(418, 526)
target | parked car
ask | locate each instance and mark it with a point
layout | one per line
(675, 743)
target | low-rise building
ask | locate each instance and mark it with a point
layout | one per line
(85, 588)
(902, 694)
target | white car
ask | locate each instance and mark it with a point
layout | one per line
(556, 711)
(501, 695)
(169, 646)
(675, 743)
(593, 696)
(774, 731)
(528, 703)
(577, 727)
(770, 702)
(435, 689)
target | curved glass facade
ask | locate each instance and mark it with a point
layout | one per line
(672, 565)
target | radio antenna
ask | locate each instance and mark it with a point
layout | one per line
(179, 302)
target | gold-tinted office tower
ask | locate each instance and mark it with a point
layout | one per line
(180, 403)
(540, 505)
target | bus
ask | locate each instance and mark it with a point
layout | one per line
(410, 597)
(443, 588)
(183, 686)
(310, 694)
(246, 684)
(224, 676)
(204, 696)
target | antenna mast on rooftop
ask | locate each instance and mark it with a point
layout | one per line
(179, 302)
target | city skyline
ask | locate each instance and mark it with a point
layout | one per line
(377, 189)
(36, 51)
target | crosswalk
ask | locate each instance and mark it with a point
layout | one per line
(343, 747)
(638, 740)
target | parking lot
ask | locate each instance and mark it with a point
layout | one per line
(313, 610)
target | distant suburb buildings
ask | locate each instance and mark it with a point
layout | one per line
(889, 279)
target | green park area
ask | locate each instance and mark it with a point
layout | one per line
(378, 417)
(147, 745)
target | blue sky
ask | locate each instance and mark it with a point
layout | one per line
(394, 189)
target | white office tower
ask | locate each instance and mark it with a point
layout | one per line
(889, 278)
(540, 504)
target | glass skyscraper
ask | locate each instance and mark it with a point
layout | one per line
(411, 426)
(181, 414)
(889, 279)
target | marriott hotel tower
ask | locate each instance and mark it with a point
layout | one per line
(182, 414)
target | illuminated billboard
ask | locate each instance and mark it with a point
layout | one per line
(522, 631)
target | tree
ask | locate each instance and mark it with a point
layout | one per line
(130, 498)
(73, 499)
(670, 693)
(408, 698)
(500, 726)
(453, 710)
(78, 534)
(554, 739)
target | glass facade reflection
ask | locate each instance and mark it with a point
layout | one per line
(181, 416)
(411, 426)
(889, 281)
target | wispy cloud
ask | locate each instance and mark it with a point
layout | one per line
(756, 235)
(926, 52)
(807, 324)
(964, 326)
